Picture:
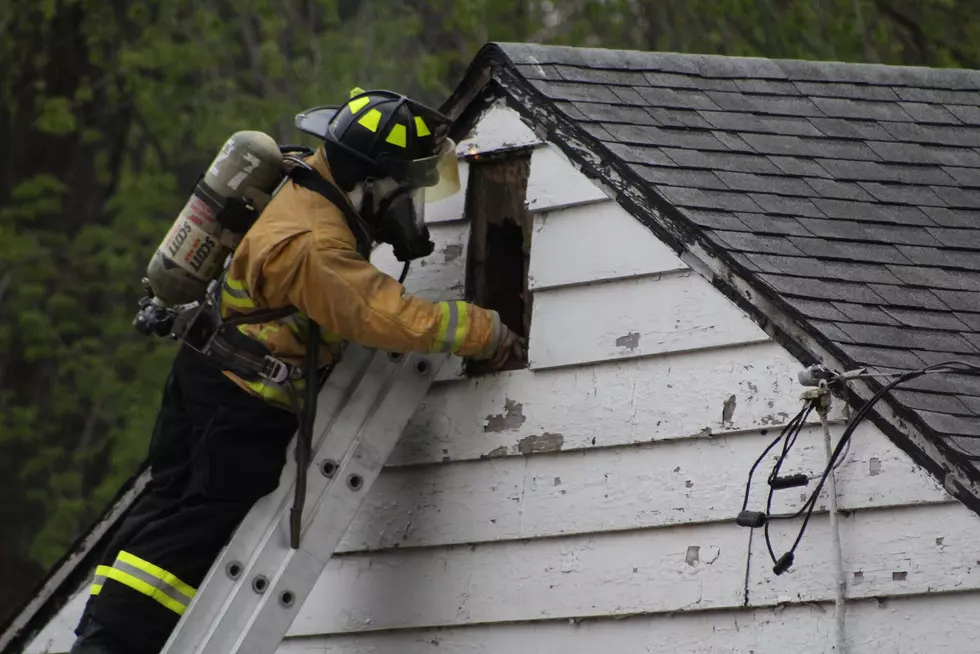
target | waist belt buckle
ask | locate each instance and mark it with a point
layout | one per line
(275, 371)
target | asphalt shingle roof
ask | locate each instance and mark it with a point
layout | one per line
(851, 191)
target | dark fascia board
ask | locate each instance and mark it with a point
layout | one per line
(493, 74)
(64, 578)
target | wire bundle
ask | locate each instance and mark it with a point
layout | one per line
(789, 435)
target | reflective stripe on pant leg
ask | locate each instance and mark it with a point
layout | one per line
(151, 580)
(99, 579)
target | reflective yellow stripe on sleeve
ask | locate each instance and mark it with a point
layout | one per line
(453, 327)
(150, 580)
(235, 294)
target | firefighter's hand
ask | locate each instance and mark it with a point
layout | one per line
(510, 347)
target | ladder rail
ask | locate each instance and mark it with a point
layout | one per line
(362, 411)
(214, 591)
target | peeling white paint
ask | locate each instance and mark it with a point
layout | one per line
(611, 574)
(616, 403)
(878, 544)
(915, 625)
(500, 128)
(668, 483)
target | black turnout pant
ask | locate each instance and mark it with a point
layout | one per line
(215, 450)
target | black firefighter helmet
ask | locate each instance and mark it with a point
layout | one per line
(382, 134)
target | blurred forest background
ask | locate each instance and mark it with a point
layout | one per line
(109, 110)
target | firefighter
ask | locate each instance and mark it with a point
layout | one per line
(220, 439)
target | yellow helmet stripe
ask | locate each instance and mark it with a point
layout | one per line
(398, 136)
(358, 104)
(371, 120)
(420, 127)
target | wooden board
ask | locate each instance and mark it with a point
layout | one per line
(685, 568)
(555, 183)
(657, 485)
(909, 550)
(634, 318)
(439, 276)
(617, 573)
(641, 400)
(937, 623)
(594, 242)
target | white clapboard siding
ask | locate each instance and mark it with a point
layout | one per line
(594, 242)
(913, 625)
(906, 550)
(634, 318)
(500, 128)
(554, 182)
(439, 276)
(656, 485)
(617, 403)
(610, 574)
(901, 551)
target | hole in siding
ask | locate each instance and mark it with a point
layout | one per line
(500, 242)
(900, 576)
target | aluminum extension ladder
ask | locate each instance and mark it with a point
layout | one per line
(256, 586)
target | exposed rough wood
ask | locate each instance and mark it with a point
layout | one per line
(659, 485)
(500, 243)
(556, 183)
(916, 549)
(611, 574)
(634, 318)
(914, 625)
(594, 242)
(642, 400)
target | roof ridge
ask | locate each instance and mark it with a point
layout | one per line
(716, 66)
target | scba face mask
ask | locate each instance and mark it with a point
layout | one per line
(400, 222)
(399, 217)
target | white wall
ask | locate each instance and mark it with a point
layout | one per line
(587, 504)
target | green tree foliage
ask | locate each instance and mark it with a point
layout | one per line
(109, 110)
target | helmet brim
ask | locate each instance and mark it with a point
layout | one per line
(316, 120)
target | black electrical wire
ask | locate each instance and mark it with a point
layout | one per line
(787, 447)
(401, 279)
(788, 427)
(842, 444)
